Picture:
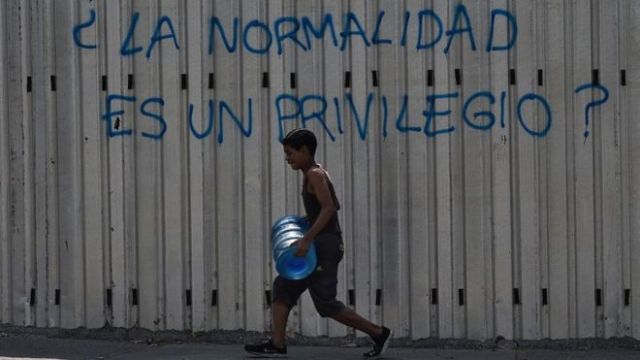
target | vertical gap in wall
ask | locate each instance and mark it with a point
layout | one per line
(347, 79)
(184, 81)
(267, 296)
(292, 80)
(212, 81)
(32, 297)
(595, 77)
(516, 296)
(109, 294)
(540, 77)
(134, 297)
(352, 297)
(214, 298)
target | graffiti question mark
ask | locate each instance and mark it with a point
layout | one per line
(591, 104)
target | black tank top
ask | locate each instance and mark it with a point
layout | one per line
(312, 207)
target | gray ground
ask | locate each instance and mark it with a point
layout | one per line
(18, 342)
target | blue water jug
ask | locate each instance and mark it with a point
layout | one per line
(284, 232)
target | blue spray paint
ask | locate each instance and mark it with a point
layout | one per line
(285, 117)
(385, 115)
(547, 108)
(431, 114)
(209, 129)
(224, 107)
(421, 15)
(376, 33)
(405, 27)
(214, 24)
(157, 34)
(460, 10)
(300, 105)
(513, 34)
(317, 115)
(351, 18)
(78, 29)
(402, 118)
(592, 103)
(503, 97)
(110, 114)
(336, 103)
(125, 49)
(260, 26)
(488, 114)
(318, 33)
(290, 28)
(313, 107)
(291, 34)
(362, 128)
(156, 117)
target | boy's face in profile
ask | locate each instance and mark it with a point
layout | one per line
(297, 159)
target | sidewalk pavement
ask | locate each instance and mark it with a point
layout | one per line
(26, 346)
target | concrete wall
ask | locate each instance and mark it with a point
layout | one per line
(486, 155)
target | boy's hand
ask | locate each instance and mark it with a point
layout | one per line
(303, 247)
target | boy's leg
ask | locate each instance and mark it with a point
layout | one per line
(381, 335)
(275, 346)
(285, 294)
(323, 290)
(323, 286)
(351, 318)
(280, 314)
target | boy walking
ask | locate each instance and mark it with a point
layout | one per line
(321, 206)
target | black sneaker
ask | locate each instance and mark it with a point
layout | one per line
(380, 344)
(266, 349)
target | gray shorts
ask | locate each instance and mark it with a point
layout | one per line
(322, 283)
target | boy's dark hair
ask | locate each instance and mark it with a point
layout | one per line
(298, 138)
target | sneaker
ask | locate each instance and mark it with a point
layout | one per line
(266, 349)
(380, 344)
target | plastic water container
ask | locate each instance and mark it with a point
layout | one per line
(284, 232)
